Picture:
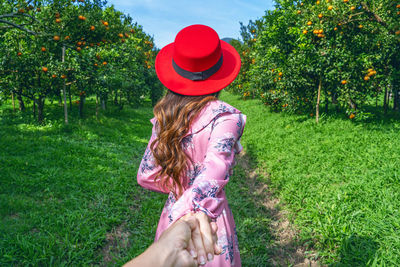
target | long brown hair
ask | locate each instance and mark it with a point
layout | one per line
(174, 114)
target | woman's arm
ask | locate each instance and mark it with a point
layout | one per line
(148, 169)
(206, 193)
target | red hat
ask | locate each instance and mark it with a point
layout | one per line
(198, 62)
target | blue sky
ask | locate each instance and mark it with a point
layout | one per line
(163, 19)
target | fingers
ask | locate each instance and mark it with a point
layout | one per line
(184, 259)
(191, 248)
(214, 229)
(207, 235)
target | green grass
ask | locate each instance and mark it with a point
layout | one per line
(68, 194)
(339, 179)
(64, 190)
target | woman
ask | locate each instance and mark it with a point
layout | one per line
(195, 137)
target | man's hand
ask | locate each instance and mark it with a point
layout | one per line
(192, 233)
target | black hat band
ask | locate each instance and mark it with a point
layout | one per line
(200, 75)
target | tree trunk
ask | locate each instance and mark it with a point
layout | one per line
(64, 93)
(318, 100)
(70, 97)
(103, 103)
(97, 107)
(396, 100)
(385, 101)
(60, 97)
(34, 108)
(13, 101)
(81, 102)
(121, 105)
(40, 103)
(21, 103)
(116, 97)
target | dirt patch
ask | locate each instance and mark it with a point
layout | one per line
(285, 250)
(116, 240)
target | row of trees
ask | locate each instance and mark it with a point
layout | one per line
(306, 54)
(61, 49)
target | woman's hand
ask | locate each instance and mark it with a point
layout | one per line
(203, 243)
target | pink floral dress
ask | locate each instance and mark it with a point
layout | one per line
(212, 142)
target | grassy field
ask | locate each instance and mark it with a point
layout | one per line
(69, 197)
(68, 194)
(339, 179)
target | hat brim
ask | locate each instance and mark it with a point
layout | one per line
(222, 78)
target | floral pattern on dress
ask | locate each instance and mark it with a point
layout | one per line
(147, 163)
(227, 243)
(223, 109)
(204, 190)
(226, 143)
(195, 172)
(187, 142)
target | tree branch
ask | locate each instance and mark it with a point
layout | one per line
(376, 17)
(18, 27)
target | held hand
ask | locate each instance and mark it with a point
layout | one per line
(203, 243)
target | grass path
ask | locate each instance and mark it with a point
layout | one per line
(68, 194)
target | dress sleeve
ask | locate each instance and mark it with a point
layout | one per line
(206, 194)
(148, 169)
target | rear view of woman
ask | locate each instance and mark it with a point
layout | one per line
(195, 138)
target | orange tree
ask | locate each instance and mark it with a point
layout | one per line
(343, 52)
(59, 48)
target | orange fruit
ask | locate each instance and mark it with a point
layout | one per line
(280, 73)
(63, 76)
(120, 35)
(397, 33)
(56, 38)
(43, 49)
(335, 29)
(345, 1)
(320, 16)
(66, 37)
(398, 6)
(366, 78)
(105, 23)
(105, 63)
(81, 17)
(58, 20)
(360, 26)
(344, 82)
(352, 116)
(298, 12)
(92, 28)
(45, 69)
(19, 54)
(330, 7)
(305, 32)
(79, 43)
(95, 64)
(352, 8)
(309, 23)
(78, 49)
(53, 76)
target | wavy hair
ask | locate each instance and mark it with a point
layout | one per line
(174, 114)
